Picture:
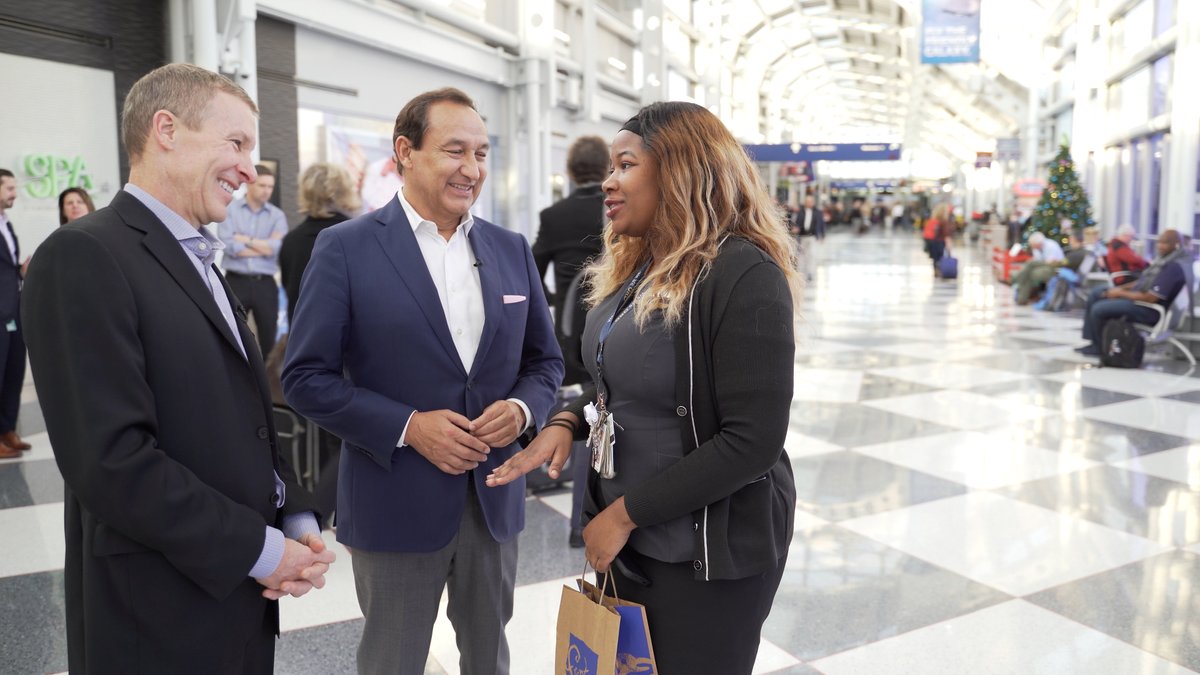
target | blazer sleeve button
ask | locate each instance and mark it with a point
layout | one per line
(681, 411)
(698, 565)
(263, 433)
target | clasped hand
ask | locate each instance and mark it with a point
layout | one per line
(455, 444)
(301, 568)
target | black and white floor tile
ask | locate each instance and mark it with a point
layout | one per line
(974, 496)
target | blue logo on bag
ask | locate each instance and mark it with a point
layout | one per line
(581, 660)
(633, 649)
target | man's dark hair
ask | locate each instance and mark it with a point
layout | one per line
(587, 160)
(413, 120)
(5, 173)
(263, 170)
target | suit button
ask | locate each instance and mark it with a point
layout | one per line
(470, 384)
(263, 433)
(275, 499)
(698, 565)
(695, 527)
(681, 411)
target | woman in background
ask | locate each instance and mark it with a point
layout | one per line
(939, 230)
(328, 197)
(689, 344)
(73, 203)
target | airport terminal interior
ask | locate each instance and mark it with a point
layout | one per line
(976, 490)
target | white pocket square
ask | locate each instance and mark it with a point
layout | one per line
(510, 299)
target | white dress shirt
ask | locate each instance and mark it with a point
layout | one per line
(8, 239)
(452, 267)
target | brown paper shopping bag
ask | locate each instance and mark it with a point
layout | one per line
(587, 633)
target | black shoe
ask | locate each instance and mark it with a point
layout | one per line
(576, 538)
(1090, 350)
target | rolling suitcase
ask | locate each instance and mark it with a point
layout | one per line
(948, 267)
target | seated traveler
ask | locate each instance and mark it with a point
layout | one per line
(1162, 281)
(1122, 262)
(1047, 258)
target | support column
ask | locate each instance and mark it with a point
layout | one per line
(654, 53)
(205, 47)
(1182, 192)
(535, 100)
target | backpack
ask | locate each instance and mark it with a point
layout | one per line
(1121, 345)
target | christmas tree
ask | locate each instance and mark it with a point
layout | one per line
(1063, 199)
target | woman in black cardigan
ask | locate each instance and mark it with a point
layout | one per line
(690, 346)
(327, 197)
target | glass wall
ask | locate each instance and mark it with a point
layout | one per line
(1163, 70)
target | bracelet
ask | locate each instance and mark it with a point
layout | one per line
(566, 424)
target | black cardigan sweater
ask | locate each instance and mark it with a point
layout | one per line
(734, 354)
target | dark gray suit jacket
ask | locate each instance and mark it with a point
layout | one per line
(163, 432)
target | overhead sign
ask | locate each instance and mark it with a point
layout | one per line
(1008, 149)
(950, 31)
(983, 160)
(882, 184)
(1029, 187)
(801, 172)
(812, 152)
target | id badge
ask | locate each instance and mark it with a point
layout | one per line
(11, 326)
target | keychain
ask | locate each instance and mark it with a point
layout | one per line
(601, 438)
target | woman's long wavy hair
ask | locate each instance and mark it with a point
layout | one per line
(708, 189)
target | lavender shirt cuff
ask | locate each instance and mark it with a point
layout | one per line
(297, 525)
(272, 553)
(294, 526)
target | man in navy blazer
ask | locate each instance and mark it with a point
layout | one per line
(12, 342)
(423, 338)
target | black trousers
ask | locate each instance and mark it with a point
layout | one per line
(700, 626)
(12, 376)
(259, 294)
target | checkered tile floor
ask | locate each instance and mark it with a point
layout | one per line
(973, 497)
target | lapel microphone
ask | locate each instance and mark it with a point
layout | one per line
(478, 263)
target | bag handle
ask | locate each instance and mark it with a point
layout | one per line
(608, 578)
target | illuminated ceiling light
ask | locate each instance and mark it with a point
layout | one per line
(652, 23)
(617, 63)
(562, 37)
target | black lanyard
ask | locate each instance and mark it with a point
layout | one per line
(629, 293)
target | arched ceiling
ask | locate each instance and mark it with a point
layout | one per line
(850, 71)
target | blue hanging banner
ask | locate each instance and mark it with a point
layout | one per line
(811, 152)
(950, 31)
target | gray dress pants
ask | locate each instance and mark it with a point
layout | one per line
(399, 595)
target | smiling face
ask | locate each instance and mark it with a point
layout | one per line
(631, 189)
(209, 163)
(443, 177)
(74, 207)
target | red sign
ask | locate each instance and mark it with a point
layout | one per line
(1029, 187)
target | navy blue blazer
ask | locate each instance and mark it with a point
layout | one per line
(10, 278)
(369, 345)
